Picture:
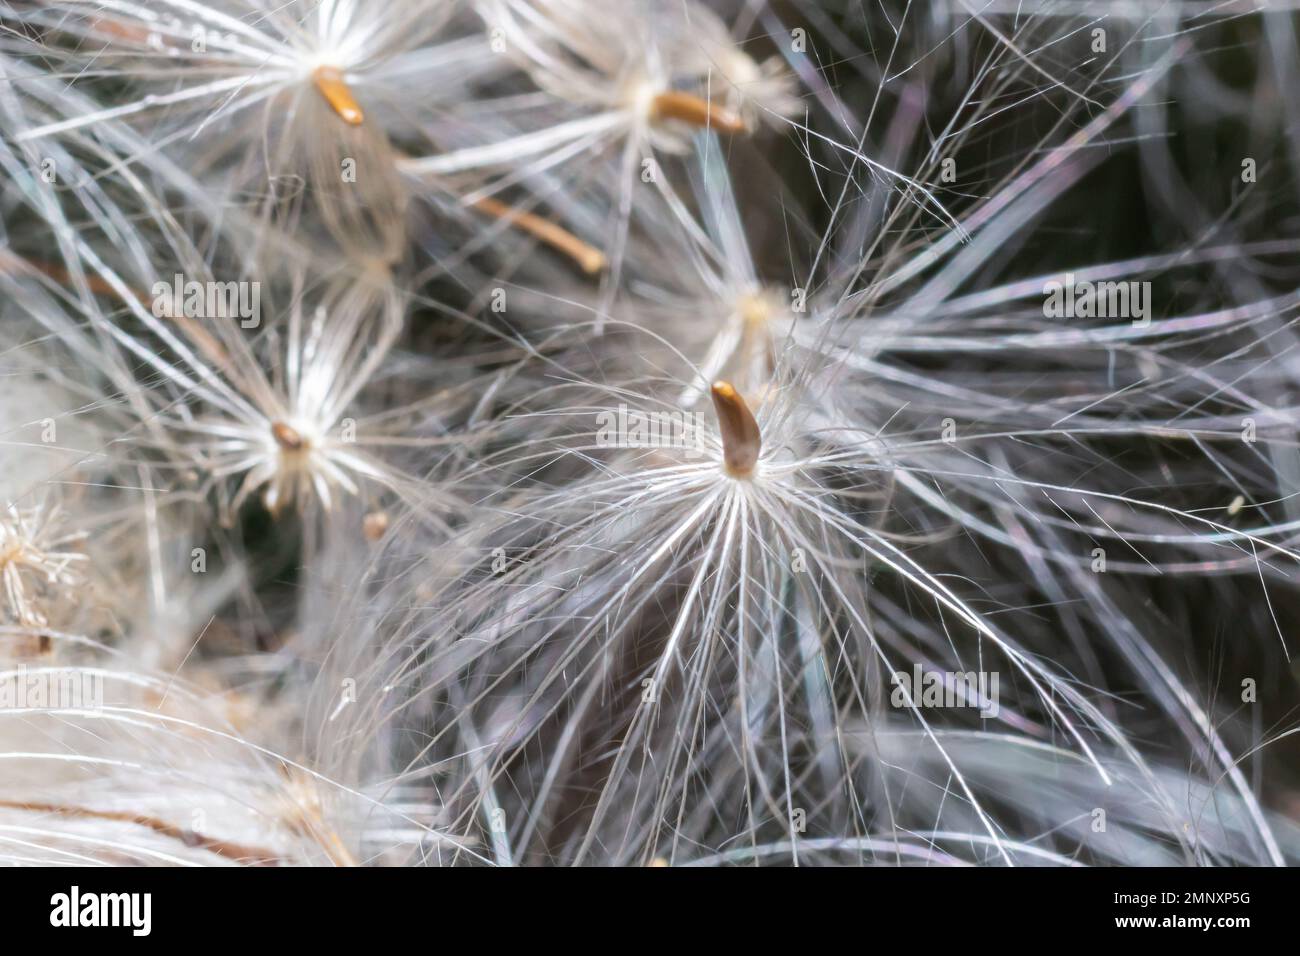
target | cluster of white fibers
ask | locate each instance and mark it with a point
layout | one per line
(647, 432)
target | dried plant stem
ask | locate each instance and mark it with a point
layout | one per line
(231, 851)
(97, 284)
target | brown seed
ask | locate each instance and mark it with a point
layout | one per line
(741, 441)
(590, 259)
(331, 85)
(697, 111)
(287, 437)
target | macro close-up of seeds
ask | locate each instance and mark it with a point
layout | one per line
(649, 433)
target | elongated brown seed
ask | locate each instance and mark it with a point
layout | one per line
(331, 85)
(697, 111)
(590, 259)
(287, 437)
(741, 441)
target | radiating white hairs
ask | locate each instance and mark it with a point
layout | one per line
(553, 432)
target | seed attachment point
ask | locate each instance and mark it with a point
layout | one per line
(741, 441)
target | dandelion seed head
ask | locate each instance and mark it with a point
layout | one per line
(290, 460)
(36, 564)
